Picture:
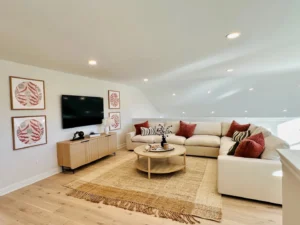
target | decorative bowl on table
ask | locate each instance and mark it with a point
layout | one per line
(158, 148)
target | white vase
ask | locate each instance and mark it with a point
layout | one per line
(106, 130)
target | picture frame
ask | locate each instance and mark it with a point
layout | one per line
(29, 131)
(27, 94)
(114, 99)
(115, 118)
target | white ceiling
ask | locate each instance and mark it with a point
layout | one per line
(180, 46)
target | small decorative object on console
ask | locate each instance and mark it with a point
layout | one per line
(163, 131)
(80, 136)
(92, 134)
(107, 123)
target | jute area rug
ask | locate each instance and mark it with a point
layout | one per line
(181, 196)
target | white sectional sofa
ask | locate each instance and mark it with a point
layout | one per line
(243, 177)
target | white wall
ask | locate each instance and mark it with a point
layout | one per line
(34, 163)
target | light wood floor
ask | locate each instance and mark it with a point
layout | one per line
(46, 202)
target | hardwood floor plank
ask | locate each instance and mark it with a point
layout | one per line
(46, 202)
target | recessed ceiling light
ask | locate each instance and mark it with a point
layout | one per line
(285, 110)
(92, 62)
(246, 111)
(229, 70)
(174, 94)
(209, 91)
(145, 80)
(212, 112)
(183, 112)
(251, 89)
(233, 35)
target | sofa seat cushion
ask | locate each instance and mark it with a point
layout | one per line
(146, 139)
(174, 139)
(207, 128)
(226, 144)
(203, 140)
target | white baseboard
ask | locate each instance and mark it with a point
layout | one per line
(121, 146)
(31, 180)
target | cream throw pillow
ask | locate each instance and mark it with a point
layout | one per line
(272, 143)
(258, 130)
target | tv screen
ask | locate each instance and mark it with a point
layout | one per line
(80, 111)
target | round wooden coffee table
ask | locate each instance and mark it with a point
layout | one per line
(160, 162)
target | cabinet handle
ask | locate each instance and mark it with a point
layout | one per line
(85, 141)
(108, 135)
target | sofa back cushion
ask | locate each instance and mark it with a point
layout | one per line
(225, 128)
(207, 128)
(175, 126)
(155, 125)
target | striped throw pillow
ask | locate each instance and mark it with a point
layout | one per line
(233, 148)
(147, 131)
(240, 135)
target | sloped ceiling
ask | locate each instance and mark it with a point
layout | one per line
(180, 46)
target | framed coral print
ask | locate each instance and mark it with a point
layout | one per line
(27, 94)
(115, 118)
(113, 99)
(29, 131)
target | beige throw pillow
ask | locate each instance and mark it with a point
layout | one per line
(272, 143)
(262, 130)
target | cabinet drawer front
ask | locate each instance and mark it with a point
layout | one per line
(112, 143)
(77, 155)
(103, 147)
(92, 150)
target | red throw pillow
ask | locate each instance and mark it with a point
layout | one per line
(186, 130)
(236, 127)
(251, 147)
(138, 127)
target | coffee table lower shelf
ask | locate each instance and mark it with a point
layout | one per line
(160, 165)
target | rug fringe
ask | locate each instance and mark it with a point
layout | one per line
(133, 206)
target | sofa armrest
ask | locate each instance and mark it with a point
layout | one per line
(250, 178)
(128, 140)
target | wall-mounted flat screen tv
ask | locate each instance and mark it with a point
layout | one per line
(80, 111)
